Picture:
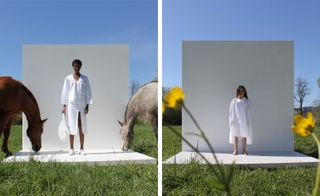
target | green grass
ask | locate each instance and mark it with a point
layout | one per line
(15, 140)
(192, 179)
(145, 141)
(171, 144)
(307, 145)
(35, 178)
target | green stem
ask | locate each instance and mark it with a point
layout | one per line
(226, 183)
(194, 149)
(207, 142)
(315, 191)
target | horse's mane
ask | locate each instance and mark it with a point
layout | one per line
(125, 114)
(28, 93)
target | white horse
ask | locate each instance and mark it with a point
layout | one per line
(143, 103)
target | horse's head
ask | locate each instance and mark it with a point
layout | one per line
(126, 135)
(34, 133)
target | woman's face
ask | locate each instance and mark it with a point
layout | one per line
(76, 68)
(241, 92)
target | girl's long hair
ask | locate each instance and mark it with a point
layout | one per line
(238, 91)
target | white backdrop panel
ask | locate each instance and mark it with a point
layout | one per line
(44, 70)
(212, 70)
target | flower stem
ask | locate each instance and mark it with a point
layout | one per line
(316, 186)
(193, 148)
(220, 169)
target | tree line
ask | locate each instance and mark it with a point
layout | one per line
(301, 91)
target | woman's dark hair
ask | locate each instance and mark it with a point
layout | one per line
(76, 61)
(243, 88)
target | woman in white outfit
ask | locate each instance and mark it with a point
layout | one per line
(240, 120)
(75, 98)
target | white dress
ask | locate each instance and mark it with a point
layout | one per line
(240, 120)
(76, 94)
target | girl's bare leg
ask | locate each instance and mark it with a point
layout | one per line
(235, 146)
(81, 135)
(71, 141)
(244, 146)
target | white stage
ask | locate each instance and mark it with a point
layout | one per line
(107, 67)
(106, 157)
(254, 159)
(211, 72)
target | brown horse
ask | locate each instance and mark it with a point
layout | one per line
(143, 103)
(16, 98)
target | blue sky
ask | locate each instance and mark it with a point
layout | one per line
(296, 20)
(132, 22)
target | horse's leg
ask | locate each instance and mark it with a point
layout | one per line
(154, 123)
(6, 134)
(1, 127)
(2, 119)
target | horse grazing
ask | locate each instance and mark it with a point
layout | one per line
(16, 98)
(143, 103)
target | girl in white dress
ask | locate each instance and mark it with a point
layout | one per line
(75, 98)
(240, 120)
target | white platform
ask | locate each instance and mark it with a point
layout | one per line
(106, 157)
(254, 159)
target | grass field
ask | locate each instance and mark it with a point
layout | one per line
(145, 141)
(192, 179)
(34, 178)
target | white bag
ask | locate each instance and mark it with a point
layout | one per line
(63, 129)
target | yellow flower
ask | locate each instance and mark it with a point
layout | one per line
(303, 126)
(174, 97)
(300, 130)
(163, 108)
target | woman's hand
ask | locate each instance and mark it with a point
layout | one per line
(64, 109)
(86, 110)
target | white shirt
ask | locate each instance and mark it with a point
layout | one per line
(240, 119)
(76, 92)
